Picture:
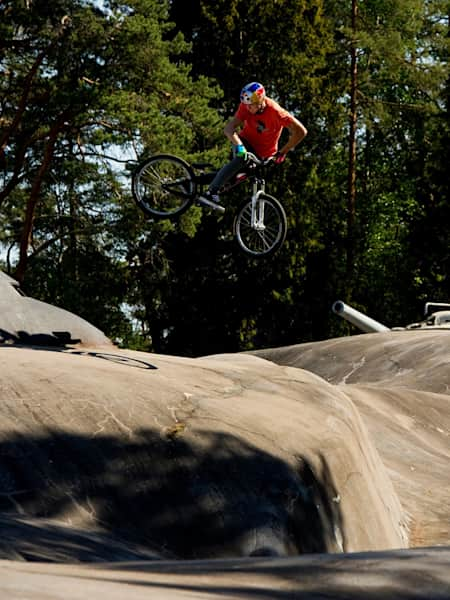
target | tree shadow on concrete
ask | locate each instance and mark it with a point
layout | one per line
(122, 359)
(47, 540)
(53, 339)
(420, 574)
(217, 497)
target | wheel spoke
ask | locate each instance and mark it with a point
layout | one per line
(259, 242)
(163, 186)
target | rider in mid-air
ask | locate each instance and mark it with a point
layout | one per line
(260, 122)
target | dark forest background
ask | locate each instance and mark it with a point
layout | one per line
(87, 86)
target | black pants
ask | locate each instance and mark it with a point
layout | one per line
(228, 171)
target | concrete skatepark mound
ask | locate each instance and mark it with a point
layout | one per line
(319, 470)
(28, 321)
(192, 456)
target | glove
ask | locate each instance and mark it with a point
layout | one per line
(240, 151)
(279, 158)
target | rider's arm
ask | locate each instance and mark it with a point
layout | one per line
(297, 131)
(230, 131)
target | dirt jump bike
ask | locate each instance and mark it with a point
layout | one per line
(164, 186)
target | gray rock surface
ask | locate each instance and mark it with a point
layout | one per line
(400, 384)
(420, 574)
(212, 457)
(315, 471)
(28, 321)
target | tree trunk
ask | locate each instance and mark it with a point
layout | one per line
(351, 185)
(25, 239)
(27, 85)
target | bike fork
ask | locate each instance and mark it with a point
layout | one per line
(257, 217)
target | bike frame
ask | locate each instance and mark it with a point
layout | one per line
(258, 189)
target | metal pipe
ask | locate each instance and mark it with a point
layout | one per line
(357, 318)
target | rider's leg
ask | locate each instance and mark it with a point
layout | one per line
(228, 171)
(211, 197)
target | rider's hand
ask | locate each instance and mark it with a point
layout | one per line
(279, 158)
(240, 151)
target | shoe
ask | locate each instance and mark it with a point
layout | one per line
(211, 200)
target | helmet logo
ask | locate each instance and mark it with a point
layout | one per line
(256, 96)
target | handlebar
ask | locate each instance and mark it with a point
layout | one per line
(260, 162)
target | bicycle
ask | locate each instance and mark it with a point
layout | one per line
(164, 186)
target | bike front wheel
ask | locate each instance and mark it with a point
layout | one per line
(262, 232)
(163, 186)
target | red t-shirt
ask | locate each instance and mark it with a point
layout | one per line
(262, 131)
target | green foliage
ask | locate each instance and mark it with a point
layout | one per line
(106, 79)
(115, 81)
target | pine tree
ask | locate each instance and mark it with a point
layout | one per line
(85, 88)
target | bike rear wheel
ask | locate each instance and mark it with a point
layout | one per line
(265, 236)
(163, 186)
